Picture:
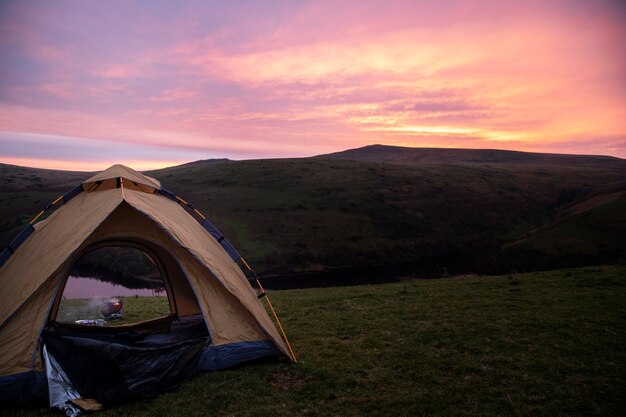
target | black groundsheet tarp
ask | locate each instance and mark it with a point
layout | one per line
(115, 366)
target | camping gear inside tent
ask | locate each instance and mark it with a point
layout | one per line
(112, 309)
(217, 319)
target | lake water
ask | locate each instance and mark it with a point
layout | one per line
(84, 287)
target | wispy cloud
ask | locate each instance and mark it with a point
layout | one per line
(277, 78)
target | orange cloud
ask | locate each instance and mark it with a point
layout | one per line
(89, 166)
(308, 79)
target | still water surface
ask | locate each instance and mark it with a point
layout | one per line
(84, 287)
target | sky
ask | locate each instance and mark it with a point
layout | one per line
(84, 85)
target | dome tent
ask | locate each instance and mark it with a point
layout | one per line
(216, 318)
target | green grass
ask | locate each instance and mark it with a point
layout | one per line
(136, 309)
(540, 344)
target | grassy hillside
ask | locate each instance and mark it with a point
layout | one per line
(541, 344)
(17, 178)
(312, 214)
(592, 230)
(441, 156)
(25, 191)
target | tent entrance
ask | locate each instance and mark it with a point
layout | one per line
(122, 282)
(154, 346)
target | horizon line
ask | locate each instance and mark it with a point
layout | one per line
(156, 168)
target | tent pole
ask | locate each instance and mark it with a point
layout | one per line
(293, 355)
(122, 187)
(269, 303)
(191, 207)
(44, 210)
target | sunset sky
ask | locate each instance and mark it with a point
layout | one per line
(84, 84)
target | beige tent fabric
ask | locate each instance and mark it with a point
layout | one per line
(121, 171)
(202, 276)
(228, 321)
(186, 301)
(18, 337)
(193, 237)
(31, 275)
(53, 241)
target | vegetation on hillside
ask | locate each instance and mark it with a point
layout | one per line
(596, 234)
(443, 210)
(311, 214)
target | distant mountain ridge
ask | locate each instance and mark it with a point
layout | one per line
(407, 155)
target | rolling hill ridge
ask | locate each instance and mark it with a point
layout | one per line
(442, 156)
(461, 211)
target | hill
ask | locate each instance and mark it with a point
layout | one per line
(590, 231)
(443, 156)
(17, 178)
(452, 213)
(293, 216)
(25, 191)
(541, 344)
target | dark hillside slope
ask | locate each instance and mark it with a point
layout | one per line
(314, 214)
(588, 232)
(439, 156)
(25, 191)
(17, 178)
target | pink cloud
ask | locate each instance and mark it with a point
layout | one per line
(173, 95)
(118, 71)
(304, 78)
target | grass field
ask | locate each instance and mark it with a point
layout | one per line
(136, 309)
(541, 344)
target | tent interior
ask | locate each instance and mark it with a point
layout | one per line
(102, 362)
